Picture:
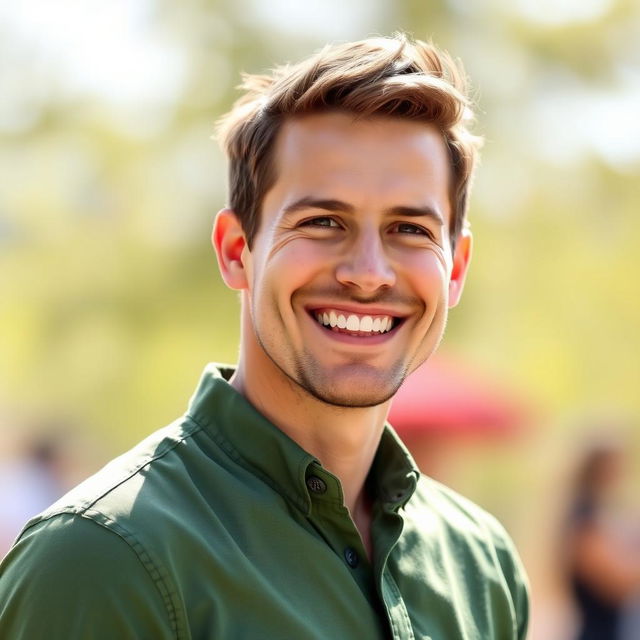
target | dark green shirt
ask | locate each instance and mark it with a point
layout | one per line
(219, 526)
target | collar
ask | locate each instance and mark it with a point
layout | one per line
(256, 444)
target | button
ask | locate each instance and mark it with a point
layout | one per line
(396, 497)
(351, 556)
(316, 485)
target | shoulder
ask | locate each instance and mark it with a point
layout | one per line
(103, 532)
(466, 533)
(462, 521)
(59, 561)
(456, 514)
(68, 547)
(110, 495)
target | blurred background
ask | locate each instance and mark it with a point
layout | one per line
(110, 299)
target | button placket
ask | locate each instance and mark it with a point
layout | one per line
(396, 609)
(329, 516)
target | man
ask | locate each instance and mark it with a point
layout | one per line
(281, 506)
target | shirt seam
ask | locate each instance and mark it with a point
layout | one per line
(86, 505)
(144, 557)
(167, 594)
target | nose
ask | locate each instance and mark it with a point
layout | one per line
(365, 265)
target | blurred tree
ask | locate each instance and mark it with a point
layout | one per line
(110, 301)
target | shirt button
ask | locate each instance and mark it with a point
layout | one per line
(395, 498)
(351, 556)
(316, 485)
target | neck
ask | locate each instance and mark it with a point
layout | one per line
(343, 439)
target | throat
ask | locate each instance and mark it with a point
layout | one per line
(362, 516)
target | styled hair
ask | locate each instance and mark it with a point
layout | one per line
(392, 77)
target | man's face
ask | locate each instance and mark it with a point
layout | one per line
(349, 277)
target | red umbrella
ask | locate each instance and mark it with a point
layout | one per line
(445, 396)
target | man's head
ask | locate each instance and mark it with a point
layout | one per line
(349, 180)
(375, 77)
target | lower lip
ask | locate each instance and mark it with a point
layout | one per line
(361, 341)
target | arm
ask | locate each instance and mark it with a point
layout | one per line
(69, 577)
(604, 564)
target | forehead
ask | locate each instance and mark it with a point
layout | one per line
(339, 131)
(326, 150)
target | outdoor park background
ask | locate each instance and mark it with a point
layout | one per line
(110, 299)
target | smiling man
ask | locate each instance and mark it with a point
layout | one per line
(349, 278)
(281, 505)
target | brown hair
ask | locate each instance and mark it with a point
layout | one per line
(374, 77)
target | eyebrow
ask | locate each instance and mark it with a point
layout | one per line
(344, 207)
(418, 212)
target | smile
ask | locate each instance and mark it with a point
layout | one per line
(353, 323)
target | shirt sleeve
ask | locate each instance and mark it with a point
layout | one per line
(70, 577)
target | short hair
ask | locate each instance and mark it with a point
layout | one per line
(382, 76)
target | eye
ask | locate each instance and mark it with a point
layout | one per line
(411, 229)
(320, 221)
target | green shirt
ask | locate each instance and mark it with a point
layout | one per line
(219, 526)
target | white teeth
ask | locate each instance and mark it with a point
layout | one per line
(353, 323)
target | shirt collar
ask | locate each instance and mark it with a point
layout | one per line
(255, 443)
(394, 473)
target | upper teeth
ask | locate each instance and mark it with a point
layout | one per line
(353, 322)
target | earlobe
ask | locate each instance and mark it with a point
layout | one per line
(461, 259)
(229, 242)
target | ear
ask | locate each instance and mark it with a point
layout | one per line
(229, 242)
(461, 259)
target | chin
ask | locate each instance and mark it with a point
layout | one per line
(361, 401)
(356, 389)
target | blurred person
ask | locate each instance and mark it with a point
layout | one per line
(30, 480)
(630, 622)
(602, 550)
(282, 505)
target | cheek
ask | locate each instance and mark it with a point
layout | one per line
(428, 272)
(291, 267)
